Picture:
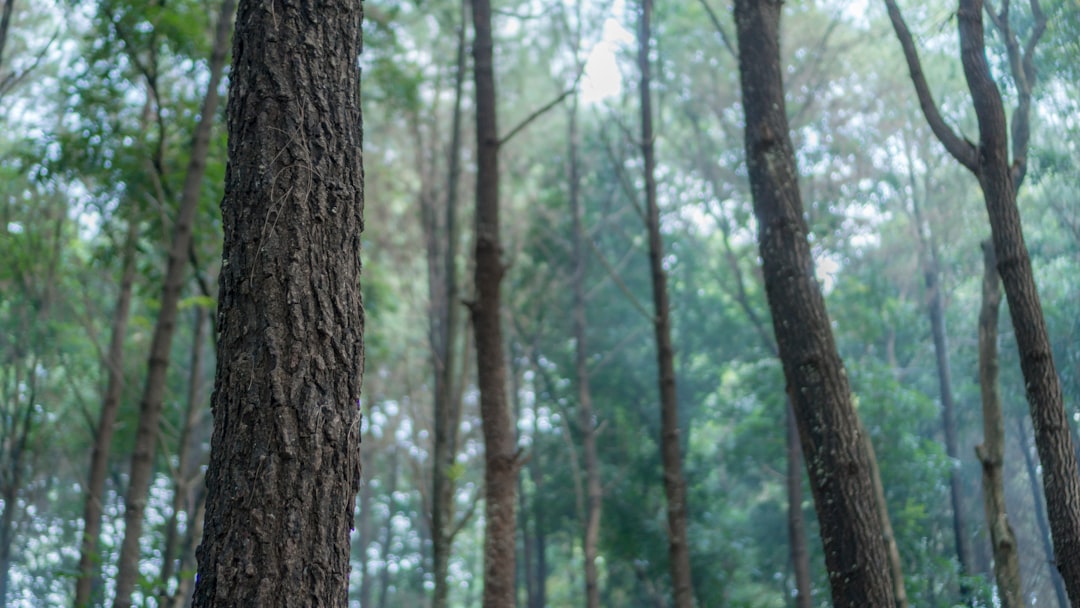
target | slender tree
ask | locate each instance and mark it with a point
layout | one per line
(837, 452)
(1000, 180)
(285, 456)
(670, 449)
(146, 434)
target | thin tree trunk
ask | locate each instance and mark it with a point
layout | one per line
(447, 409)
(388, 538)
(187, 471)
(89, 558)
(366, 533)
(285, 454)
(142, 459)
(887, 535)
(992, 452)
(670, 449)
(1039, 508)
(836, 448)
(186, 575)
(800, 551)
(500, 460)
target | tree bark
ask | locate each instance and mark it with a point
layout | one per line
(992, 451)
(447, 407)
(670, 449)
(1039, 508)
(838, 459)
(500, 460)
(89, 558)
(1000, 180)
(142, 460)
(285, 457)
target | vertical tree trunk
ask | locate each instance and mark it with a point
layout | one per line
(89, 559)
(142, 460)
(837, 454)
(500, 461)
(388, 537)
(992, 452)
(670, 451)
(366, 533)
(187, 469)
(800, 552)
(447, 408)
(285, 456)
(186, 575)
(586, 423)
(1039, 508)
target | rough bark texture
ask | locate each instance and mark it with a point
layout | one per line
(670, 452)
(594, 492)
(89, 559)
(800, 551)
(142, 459)
(992, 451)
(837, 454)
(285, 456)
(447, 406)
(500, 460)
(1000, 181)
(1039, 508)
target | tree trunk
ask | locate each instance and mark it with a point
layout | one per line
(1039, 507)
(670, 450)
(285, 456)
(186, 575)
(447, 408)
(388, 537)
(142, 460)
(366, 533)
(836, 450)
(89, 558)
(800, 551)
(992, 452)
(586, 423)
(187, 471)
(500, 461)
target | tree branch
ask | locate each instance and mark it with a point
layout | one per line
(540, 112)
(720, 29)
(960, 148)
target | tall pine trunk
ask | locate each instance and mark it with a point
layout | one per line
(670, 450)
(285, 453)
(142, 459)
(89, 557)
(992, 451)
(500, 460)
(837, 452)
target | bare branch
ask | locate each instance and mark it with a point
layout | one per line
(960, 148)
(720, 29)
(543, 110)
(622, 286)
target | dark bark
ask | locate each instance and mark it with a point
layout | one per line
(991, 452)
(142, 459)
(89, 558)
(1039, 509)
(587, 425)
(800, 551)
(1000, 180)
(285, 457)
(447, 406)
(670, 448)
(837, 451)
(500, 459)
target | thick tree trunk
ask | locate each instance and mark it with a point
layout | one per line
(1061, 476)
(285, 455)
(992, 452)
(800, 551)
(836, 450)
(142, 460)
(587, 425)
(1039, 508)
(670, 450)
(500, 460)
(447, 407)
(89, 559)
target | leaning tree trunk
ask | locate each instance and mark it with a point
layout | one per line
(992, 451)
(500, 460)
(837, 455)
(285, 456)
(110, 405)
(142, 459)
(1039, 509)
(670, 451)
